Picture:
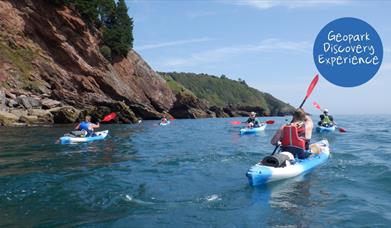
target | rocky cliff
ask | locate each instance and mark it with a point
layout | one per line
(50, 59)
(51, 71)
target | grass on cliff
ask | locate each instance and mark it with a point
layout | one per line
(217, 91)
(221, 91)
(175, 86)
(21, 60)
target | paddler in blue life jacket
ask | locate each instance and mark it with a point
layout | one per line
(326, 120)
(87, 126)
(295, 136)
(253, 121)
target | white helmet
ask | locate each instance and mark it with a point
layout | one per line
(326, 110)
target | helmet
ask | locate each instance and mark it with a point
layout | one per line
(253, 113)
(326, 110)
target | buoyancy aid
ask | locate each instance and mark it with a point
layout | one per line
(255, 121)
(326, 120)
(84, 126)
(293, 140)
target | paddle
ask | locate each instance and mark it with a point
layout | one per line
(109, 117)
(317, 106)
(309, 91)
(238, 122)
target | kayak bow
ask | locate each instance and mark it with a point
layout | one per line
(252, 130)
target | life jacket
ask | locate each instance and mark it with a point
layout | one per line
(84, 126)
(293, 142)
(326, 120)
(255, 121)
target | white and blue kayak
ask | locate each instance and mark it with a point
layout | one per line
(164, 124)
(252, 130)
(260, 174)
(322, 129)
(68, 139)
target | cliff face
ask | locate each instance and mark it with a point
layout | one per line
(51, 53)
(51, 71)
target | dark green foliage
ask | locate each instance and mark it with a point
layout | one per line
(112, 19)
(106, 11)
(87, 9)
(118, 35)
(106, 52)
(223, 92)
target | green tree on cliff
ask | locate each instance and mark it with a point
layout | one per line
(118, 35)
(106, 12)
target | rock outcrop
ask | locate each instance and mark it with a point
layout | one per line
(49, 57)
(189, 106)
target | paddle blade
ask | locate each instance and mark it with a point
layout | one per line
(316, 105)
(109, 117)
(342, 130)
(269, 122)
(236, 122)
(312, 86)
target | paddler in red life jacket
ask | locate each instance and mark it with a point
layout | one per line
(163, 120)
(295, 137)
(87, 126)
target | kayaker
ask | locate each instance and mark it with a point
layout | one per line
(252, 120)
(326, 120)
(164, 120)
(87, 126)
(295, 137)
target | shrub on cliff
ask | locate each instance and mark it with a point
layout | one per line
(106, 52)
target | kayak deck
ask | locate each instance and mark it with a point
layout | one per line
(260, 174)
(252, 130)
(100, 135)
(322, 129)
(164, 124)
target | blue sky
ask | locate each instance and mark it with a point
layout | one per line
(267, 43)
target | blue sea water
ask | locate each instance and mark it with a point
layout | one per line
(191, 173)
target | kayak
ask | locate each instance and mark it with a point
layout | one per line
(252, 130)
(67, 139)
(322, 129)
(260, 174)
(164, 124)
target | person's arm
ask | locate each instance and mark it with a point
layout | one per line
(332, 120)
(277, 137)
(77, 127)
(247, 121)
(93, 126)
(309, 125)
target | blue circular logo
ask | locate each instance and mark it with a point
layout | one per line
(348, 52)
